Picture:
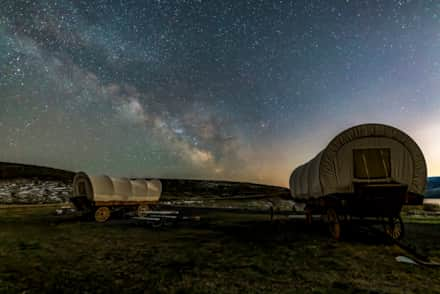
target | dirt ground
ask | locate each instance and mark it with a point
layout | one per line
(223, 253)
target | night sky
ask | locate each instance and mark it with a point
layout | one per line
(238, 90)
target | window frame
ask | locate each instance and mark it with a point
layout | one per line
(386, 168)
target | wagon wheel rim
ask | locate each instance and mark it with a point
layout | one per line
(394, 227)
(334, 224)
(102, 214)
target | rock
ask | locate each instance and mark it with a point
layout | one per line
(34, 191)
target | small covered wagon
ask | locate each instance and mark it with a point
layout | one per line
(102, 195)
(369, 170)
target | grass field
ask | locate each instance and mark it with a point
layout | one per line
(223, 253)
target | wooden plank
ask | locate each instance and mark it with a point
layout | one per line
(123, 203)
(142, 218)
(162, 212)
(162, 216)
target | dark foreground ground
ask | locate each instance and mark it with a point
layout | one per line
(223, 253)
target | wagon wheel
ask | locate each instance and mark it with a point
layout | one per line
(394, 228)
(333, 224)
(102, 214)
(142, 210)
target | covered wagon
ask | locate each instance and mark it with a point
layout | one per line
(103, 195)
(369, 170)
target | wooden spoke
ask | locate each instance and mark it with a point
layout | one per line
(393, 227)
(334, 224)
(308, 213)
(142, 210)
(102, 214)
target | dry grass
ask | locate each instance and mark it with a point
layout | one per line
(224, 253)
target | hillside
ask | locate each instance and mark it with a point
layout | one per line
(10, 170)
(21, 183)
(178, 188)
(433, 189)
(30, 184)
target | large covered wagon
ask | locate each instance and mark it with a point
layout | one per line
(103, 195)
(369, 170)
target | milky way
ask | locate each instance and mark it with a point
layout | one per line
(238, 90)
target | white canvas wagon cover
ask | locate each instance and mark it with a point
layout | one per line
(109, 189)
(333, 170)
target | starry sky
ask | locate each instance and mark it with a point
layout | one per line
(237, 90)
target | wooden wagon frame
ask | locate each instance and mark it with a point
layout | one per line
(383, 201)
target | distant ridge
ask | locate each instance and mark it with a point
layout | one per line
(172, 188)
(9, 170)
(183, 188)
(433, 188)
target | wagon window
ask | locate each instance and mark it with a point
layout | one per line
(372, 163)
(82, 188)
